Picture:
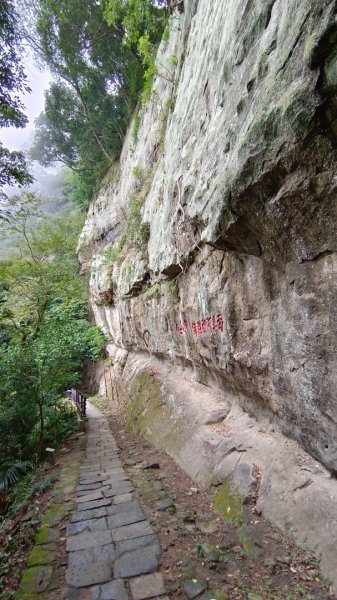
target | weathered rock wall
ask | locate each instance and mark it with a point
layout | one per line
(212, 243)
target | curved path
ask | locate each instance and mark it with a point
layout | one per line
(112, 551)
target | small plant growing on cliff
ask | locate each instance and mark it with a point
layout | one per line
(113, 254)
(136, 126)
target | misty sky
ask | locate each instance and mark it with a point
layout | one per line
(19, 139)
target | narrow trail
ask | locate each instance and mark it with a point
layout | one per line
(125, 522)
(112, 550)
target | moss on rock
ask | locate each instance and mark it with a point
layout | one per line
(228, 505)
(35, 579)
(42, 555)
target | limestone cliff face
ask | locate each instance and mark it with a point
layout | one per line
(212, 244)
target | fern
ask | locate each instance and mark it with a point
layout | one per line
(13, 473)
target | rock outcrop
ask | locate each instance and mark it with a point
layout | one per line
(212, 244)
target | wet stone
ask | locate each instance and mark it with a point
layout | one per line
(125, 518)
(137, 562)
(89, 525)
(194, 587)
(117, 488)
(94, 504)
(84, 515)
(83, 541)
(131, 531)
(115, 477)
(126, 506)
(164, 504)
(82, 558)
(121, 498)
(147, 586)
(88, 486)
(93, 573)
(210, 552)
(86, 479)
(114, 590)
(89, 497)
(137, 543)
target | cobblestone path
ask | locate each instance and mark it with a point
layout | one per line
(112, 551)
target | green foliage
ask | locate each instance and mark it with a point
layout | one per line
(44, 329)
(136, 232)
(13, 167)
(12, 473)
(137, 172)
(143, 23)
(96, 82)
(21, 494)
(137, 17)
(113, 254)
(59, 421)
(136, 126)
(12, 76)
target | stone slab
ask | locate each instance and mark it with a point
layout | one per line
(93, 573)
(137, 562)
(114, 590)
(85, 479)
(84, 540)
(147, 586)
(137, 543)
(115, 509)
(122, 498)
(82, 558)
(125, 518)
(128, 532)
(88, 486)
(118, 488)
(94, 504)
(114, 477)
(96, 495)
(88, 525)
(93, 513)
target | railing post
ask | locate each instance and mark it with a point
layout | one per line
(79, 400)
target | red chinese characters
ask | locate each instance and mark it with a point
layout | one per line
(212, 324)
(182, 327)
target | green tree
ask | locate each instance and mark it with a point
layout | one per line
(44, 329)
(143, 23)
(13, 82)
(96, 81)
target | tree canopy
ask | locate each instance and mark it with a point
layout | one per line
(44, 329)
(96, 80)
(13, 82)
(95, 53)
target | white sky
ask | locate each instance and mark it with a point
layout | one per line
(38, 81)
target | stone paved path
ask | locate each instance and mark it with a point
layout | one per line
(112, 551)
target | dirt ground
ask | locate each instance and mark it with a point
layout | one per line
(239, 559)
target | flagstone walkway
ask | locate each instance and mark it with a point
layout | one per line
(112, 550)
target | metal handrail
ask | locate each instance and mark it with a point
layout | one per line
(79, 400)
